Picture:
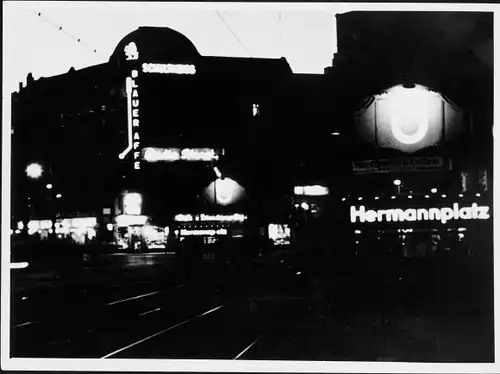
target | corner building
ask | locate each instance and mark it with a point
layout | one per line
(158, 144)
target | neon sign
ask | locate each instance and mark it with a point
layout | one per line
(311, 190)
(176, 154)
(131, 51)
(134, 144)
(185, 232)
(412, 215)
(177, 69)
(210, 218)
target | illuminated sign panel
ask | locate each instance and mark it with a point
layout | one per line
(176, 69)
(311, 190)
(132, 90)
(210, 218)
(125, 220)
(132, 203)
(408, 119)
(398, 165)
(423, 214)
(186, 232)
(151, 154)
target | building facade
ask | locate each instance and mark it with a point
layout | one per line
(156, 133)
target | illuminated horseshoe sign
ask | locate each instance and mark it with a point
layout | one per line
(423, 127)
(409, 104)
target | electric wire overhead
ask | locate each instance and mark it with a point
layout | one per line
(232, 32)
(60, 28)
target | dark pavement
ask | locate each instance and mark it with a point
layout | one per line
(147, 306)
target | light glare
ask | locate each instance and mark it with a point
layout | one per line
(34, 170)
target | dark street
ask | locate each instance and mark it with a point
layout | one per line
(142, 306)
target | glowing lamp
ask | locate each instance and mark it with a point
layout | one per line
(58, 196)
(49, 186)
(397, 182)
(434, 190)
(34, 170)
(224, 191)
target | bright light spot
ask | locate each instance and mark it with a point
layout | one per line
(40, 225)
(91, 233)
(305, 206)
(376, 198)
(478, 194)
(344, 199)
(130, 220)
(224, 191)
(397, 182)
(426, 196)
(315, 190)
(20, 225)
(410, 197)
(460, 195)
(279, 233)
(109, 226)
(434, 190)
(183, 218)
(49, 186)
(34, 171)
(357, 231)
(255, 109)
(460, 229)
(51, 231)
(335, 134)
(409, 107)
(17, 231)
(298, 273)
(217, 172)
(132, 203)
(360, 198)
(58, 196)
(24, 298)
(297, 205)
(357, 241)
(393, 197)
(19, 265)
(443, 196)
(11, 231)
(461, 235)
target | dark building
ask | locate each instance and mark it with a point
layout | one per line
(161, 121)
(414, 154)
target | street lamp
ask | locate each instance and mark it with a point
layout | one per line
(58, 196)
(34, 170)
(49, 186)
(397, 183)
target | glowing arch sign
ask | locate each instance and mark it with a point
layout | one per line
(408, 119)
(409, 114)
(444, 215)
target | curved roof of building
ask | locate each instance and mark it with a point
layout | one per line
(157, 44)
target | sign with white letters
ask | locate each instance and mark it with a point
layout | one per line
(411, 215)
(176, 69)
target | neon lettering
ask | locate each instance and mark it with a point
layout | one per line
(444, 215)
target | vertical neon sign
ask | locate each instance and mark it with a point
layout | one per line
(134, 140)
